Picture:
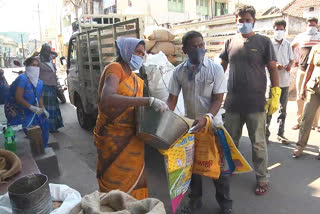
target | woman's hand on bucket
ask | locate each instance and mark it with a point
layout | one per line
(158, 104)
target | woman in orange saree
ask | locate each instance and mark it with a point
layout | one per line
(120, 153)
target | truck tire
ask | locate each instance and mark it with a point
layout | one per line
(84, 119)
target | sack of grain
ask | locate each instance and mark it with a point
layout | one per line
(166, 47)
(149, 44)
(160, 34)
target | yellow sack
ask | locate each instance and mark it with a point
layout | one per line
(206, 158)
(239, 161)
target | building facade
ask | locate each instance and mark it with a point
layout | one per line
(170, 11)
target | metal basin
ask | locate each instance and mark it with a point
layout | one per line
(30, 195)
(160, 130)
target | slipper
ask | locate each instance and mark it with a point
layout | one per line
(297, 153)
(261, 188)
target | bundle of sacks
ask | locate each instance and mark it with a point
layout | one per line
(160, 39)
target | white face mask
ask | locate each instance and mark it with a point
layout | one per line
(32, 73)
(312, 30)
(278, 34)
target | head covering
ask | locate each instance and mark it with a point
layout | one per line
(126, 47)
(45, 52)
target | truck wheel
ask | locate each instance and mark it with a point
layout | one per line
(83, 118)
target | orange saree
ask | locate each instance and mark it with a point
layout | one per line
(120, 152)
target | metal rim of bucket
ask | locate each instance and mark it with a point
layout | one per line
(27, 176)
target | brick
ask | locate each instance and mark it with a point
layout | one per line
(48, 163)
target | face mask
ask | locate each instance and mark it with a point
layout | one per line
(278, 34)
(312, 30)
(32, 73)
(245, 28)
(196, 55)
(135, 62)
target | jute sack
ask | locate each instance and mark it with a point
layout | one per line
(149, 44)
(159, 34)
(166, 47)
(10, 166)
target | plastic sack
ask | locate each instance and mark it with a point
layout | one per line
(179, 162)
(159, 72)
(59, 192)
(206, 158)
(238, 163)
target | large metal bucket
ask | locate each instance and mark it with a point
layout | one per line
(30, 195)
(160, 130)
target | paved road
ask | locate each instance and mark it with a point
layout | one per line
(295, 184)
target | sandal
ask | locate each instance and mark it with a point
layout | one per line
(297, 153)
(261, 188)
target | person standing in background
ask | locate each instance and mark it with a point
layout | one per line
(310, 91)
(247, 55)
(4, 88)
(285, 59)
(49, 77)
(305, 41)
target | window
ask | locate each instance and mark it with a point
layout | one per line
(175, 6)
(203, 7)
(72, 54)
(221, 8)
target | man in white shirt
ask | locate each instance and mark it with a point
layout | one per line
(285, 59)
(203, 85)
(305, 41)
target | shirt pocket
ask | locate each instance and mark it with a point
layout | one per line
(206, 88)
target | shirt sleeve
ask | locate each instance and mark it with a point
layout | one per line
(220, 81)
(269, 52)
(22, 81)
(291, 54)
(174, 84)
(224, 53)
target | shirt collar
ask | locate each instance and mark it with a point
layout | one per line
(205, 62)
(277, 43)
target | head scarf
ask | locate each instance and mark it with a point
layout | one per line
(45, 52)
(126, 46)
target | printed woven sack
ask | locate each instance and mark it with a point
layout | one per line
(206, 158)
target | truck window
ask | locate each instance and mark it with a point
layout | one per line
(73, 53)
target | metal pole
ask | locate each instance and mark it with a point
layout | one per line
(39, 23)
(22, 47)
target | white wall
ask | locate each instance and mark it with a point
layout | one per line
(158, 9)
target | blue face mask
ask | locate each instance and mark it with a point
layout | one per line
(245, 28)
(196, 55)
(135, 62)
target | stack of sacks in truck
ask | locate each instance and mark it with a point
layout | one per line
(161, 39)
